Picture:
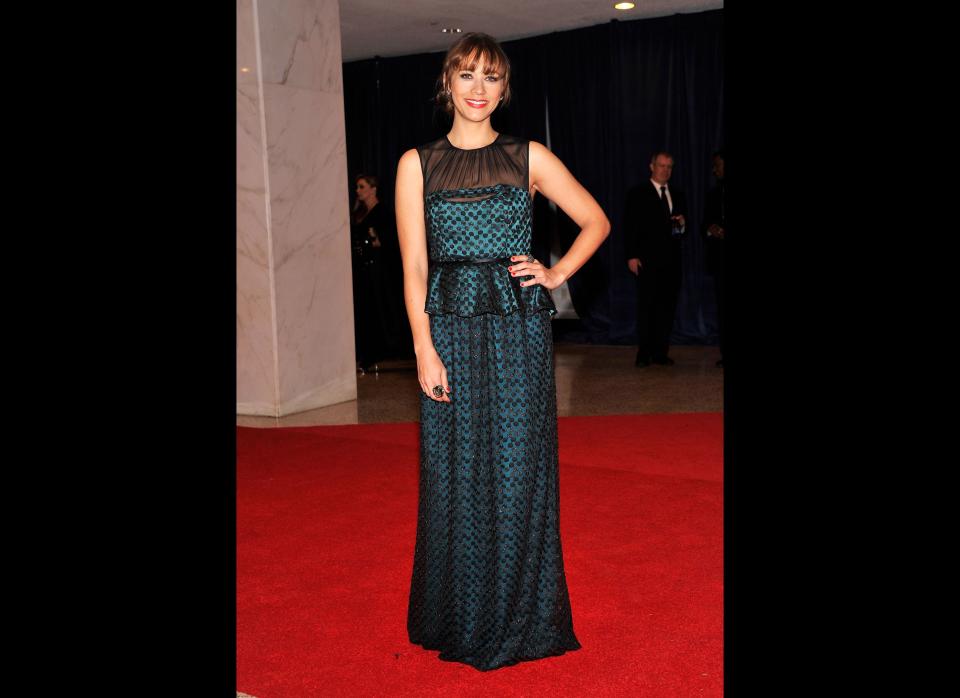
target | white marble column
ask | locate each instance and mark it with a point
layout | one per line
(295, 347)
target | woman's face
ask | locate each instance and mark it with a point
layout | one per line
(365, 192)
(474, 93)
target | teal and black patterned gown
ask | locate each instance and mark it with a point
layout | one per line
(488, 586)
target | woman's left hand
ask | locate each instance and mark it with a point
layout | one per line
(542, 275)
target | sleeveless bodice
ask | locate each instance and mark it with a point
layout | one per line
(478, 213)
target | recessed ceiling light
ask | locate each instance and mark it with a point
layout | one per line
(450, 30)
(244, 70)
(624, 6)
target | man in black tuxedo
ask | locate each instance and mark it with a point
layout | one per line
(654, 221)
(715, 228)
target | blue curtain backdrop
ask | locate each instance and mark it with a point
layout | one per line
(615, 93)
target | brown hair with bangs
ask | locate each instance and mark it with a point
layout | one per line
(469, 50)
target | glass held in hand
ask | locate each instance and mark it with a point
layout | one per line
(677, 228)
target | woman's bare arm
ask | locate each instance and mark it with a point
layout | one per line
(412, 235)
(549, 176)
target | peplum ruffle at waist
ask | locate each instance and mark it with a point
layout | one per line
(471, 288)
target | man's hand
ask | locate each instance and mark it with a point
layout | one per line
(634, 266)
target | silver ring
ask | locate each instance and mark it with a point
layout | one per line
(531, 258)
(438, 391)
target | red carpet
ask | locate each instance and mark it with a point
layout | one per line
(326, 518)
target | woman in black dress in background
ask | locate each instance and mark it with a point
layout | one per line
(488, 585)
(377, 315)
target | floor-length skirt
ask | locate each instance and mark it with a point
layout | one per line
(488, 586)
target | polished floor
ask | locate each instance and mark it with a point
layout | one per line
(591, 380)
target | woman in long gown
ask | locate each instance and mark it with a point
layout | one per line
(378, 327)
(488, 586)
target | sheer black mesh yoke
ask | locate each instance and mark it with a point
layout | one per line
(446, 167)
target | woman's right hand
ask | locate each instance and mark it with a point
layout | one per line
(431, 372)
